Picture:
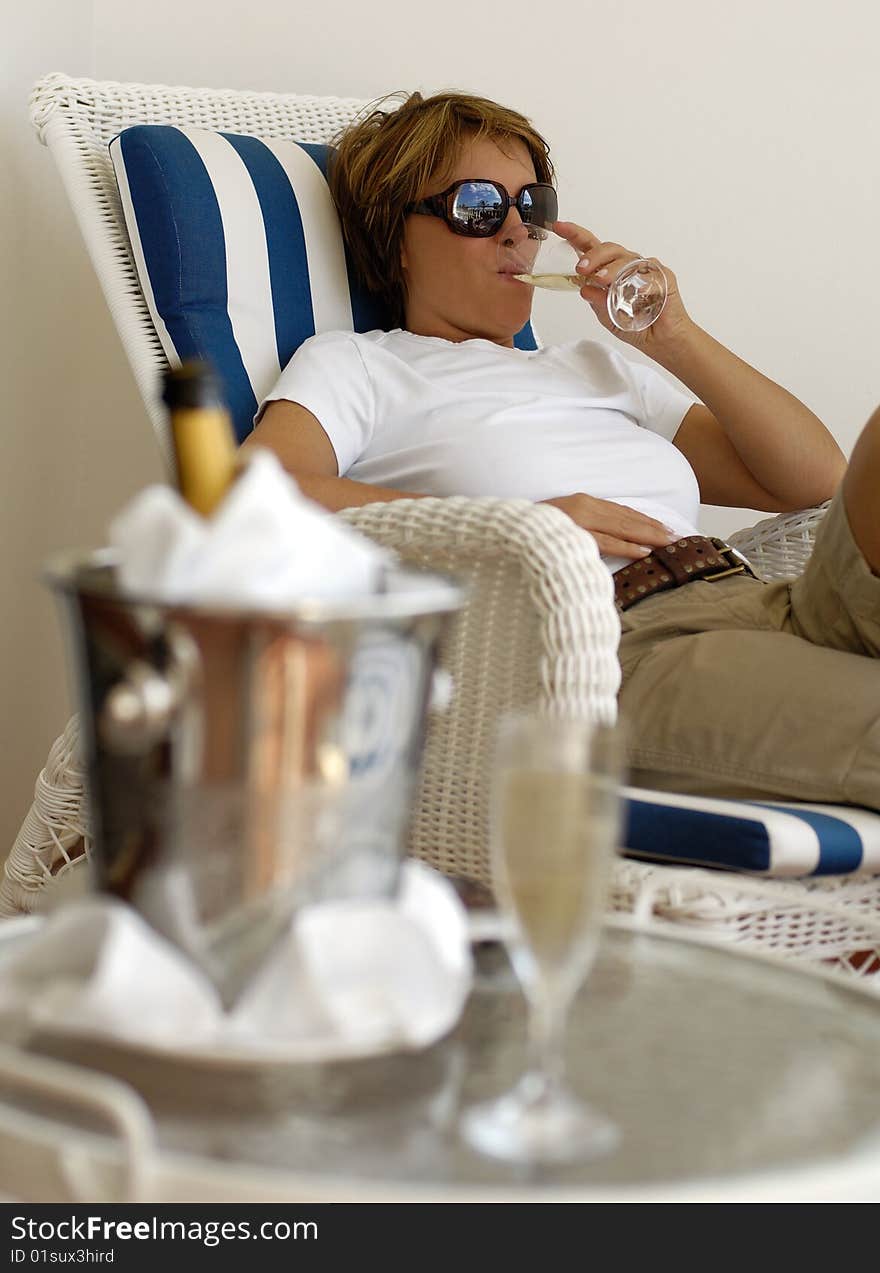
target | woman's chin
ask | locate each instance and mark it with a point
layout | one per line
(511, 317)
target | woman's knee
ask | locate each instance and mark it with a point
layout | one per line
(860, 486)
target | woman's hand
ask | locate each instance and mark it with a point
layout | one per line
(600, 264)
(750, 443)
(619, 531)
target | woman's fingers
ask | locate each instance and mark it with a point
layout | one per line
(611, 547)
(581, 239)
(628, 532)
(623, 523)
(596, 254)
(605, 262)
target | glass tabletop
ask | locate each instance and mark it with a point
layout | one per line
(714, 1065)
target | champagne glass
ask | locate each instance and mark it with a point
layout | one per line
(635, 298)
(555, 822)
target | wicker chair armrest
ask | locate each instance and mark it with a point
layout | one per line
(779, 547)
(539, 628)
(556, 570)
(55, 836)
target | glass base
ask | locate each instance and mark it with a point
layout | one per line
(637, 297)
(544, 1127)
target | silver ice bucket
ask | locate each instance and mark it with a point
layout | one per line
(240, 762)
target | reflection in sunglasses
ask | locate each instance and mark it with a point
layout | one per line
(479, 207)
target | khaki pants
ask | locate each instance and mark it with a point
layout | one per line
(760, 690)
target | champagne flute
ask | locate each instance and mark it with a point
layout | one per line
(555, 822)
(635, 298)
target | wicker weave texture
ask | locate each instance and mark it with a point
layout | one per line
(539, 629)
(827, 922)
(779, 547)
(55, 835)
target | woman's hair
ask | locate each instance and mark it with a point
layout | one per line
(386, 159)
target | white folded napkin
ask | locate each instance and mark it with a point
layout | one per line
(266, 545)
(350, 979)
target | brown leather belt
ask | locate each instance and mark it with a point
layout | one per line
(695, 557)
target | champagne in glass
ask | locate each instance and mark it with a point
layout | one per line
(635, 298)
(555, 818)
(555, 895)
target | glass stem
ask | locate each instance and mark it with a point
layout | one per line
(548, 1013)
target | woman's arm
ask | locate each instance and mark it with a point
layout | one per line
(305, 450)
(751, 444)
(302, 446)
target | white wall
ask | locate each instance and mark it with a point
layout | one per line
(735, 142)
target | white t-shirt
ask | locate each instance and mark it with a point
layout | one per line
(439, 417)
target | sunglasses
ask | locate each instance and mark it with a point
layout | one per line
(479, 208)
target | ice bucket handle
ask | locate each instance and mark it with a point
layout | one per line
(139, 708)
(83, 1092)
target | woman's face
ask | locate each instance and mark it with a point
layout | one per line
(456, 287)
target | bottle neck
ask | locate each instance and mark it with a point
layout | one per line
(205, 454)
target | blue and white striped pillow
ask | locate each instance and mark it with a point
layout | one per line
(771, 838)
(238, 251)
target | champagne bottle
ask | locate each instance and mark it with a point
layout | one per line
(201, 429)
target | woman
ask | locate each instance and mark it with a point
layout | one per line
(732, 686)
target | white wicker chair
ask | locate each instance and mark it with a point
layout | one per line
(540, 625)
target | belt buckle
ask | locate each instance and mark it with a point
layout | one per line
(725, 551)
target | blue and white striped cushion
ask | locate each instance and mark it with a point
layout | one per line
(238, 251)
(772, 838)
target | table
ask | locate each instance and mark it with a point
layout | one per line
(730, 1077)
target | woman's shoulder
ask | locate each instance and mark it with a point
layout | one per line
(341, 339)
(339, 349)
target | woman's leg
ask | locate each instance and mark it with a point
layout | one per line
(861, 492)
(723, 698)
(768, 691)
(836, 601)
(755, 715)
